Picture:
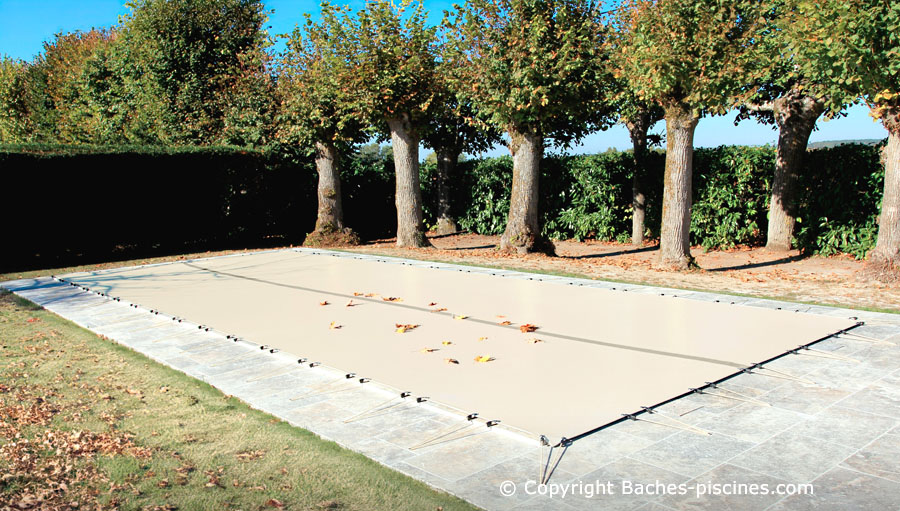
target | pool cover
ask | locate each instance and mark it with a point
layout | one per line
(465, 338)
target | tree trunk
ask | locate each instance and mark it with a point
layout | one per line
(331, 214)
(795, 115)
(446, 165)
(887, 248)
(675, 236)
(410, 227)
(637, 129)
(523, 234)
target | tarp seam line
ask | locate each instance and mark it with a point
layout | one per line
(474, 320)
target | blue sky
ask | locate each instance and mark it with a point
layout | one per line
(26, 24)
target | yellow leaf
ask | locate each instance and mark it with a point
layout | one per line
(446, 343)
(484, 358)
(334, 326)
(429, 350)
(482, 339)
(460, 316)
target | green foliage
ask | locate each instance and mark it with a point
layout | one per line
(685, 51)
(188, 64)
(316, 87)
(12, 118)
(532, 65)
(731, 195)
(254, 196)
(390, 57)
(589, 197)
(840, 199)
(853, 45)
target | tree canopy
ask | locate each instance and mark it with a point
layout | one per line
(535, 65)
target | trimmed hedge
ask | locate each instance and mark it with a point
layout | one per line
(62, 201)
(589, 196)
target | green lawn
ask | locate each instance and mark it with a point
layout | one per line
(84, 421)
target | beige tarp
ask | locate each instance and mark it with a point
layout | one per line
(601, 353)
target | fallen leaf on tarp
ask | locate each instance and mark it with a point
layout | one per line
(505, 323)
(323, 302)
(451, 361)
(534, 340)
(404, 328)
(446, 343)
(527, 327)
(274, 503)
(500, 316)
(442, 309)
(334, 326)
(351, 304)
(484, 358)
(432, 304)
(482, 339)
(429, 350)
(391, 299)
(460, 316)
(357, 294)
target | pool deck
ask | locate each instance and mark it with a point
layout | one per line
(832, 421)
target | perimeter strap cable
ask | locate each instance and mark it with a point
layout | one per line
(453, 432)
(774, 373)
(329, 387)
(824, 354)
(857, 337)
(235, 358)
(730, 394)
(277, 372)
(380, 407)
(167, 337)
(547, 468)
(677, 423)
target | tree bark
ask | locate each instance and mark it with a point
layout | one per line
(410, 226)
(675, 236)
(637, 129)
(523, 234)
(795, 115)
(446, 166)
(887, 248)
(331, 213)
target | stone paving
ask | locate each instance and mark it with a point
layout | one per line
(833, 422)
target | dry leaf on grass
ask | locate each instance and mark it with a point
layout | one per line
(249, 455)
(274, 503)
